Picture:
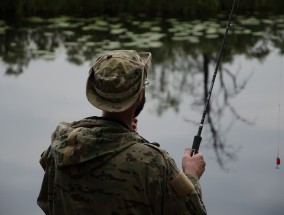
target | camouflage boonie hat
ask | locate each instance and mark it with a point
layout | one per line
(116, 79)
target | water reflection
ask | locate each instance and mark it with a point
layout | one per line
(38, 38)
(185, 52)
(230, 86)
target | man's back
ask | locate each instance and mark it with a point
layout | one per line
(97, 166)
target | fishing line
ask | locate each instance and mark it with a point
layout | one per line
(197, 138)
(278, 124)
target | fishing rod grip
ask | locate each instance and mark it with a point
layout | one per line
(195, 145)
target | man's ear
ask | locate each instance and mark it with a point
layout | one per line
(142, 93)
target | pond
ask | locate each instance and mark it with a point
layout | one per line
(44, 64)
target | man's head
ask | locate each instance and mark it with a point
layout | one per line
(116, 80)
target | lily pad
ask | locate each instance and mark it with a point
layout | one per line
(60, 19)
(280, 25)
(174, 29)
(211, 31)
(137, 23)
(95, 28)
(128, 44)
(101, 22)
(68, 33)
(35, 19)
(112, 45)
(199, 27)
(179, 38)
(48, 34)
(154, 44)
(250, 21)
(181, 34)
(118, 31)
(2, 30)
(198, 34)
(116, 26)
(2, 23)
(212, 36)
(192, 39)
(258, 34)
(247, 31)
(71, 43)
(268, 21)
(146, 24)
(62, 25)
(153, 35)
(84, 38)
(90, 44)
(13, 44)
(156, 28)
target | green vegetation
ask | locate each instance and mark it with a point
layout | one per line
(18, 9)
(83, 38)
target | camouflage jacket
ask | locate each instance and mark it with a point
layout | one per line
(97, 166)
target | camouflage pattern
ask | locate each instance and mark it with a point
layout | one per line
(116, 79)
(98, 166)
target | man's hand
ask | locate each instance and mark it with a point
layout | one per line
(194, 165)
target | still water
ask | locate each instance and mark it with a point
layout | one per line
(44, 65)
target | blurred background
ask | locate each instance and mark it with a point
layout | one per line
(47, 48)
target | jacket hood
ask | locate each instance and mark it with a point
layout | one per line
(91, 139)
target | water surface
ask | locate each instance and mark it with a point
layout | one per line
(44, 65)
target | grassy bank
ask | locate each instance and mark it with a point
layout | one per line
(18, 9)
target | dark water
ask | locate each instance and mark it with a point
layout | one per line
(44, 66)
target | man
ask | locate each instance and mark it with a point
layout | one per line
(100, 165)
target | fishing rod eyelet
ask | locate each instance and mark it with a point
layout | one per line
(230, 26)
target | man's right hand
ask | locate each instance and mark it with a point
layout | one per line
(194, 165)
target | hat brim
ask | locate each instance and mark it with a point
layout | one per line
(103, 104)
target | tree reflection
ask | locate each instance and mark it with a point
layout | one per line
(222, 152)
(187, 74)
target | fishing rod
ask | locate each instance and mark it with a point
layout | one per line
(197, 138)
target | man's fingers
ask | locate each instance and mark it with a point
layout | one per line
(187, 151)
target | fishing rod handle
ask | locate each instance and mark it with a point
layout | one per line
(195, 145)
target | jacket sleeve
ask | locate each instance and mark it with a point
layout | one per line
(182, 192)
(47, 183)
